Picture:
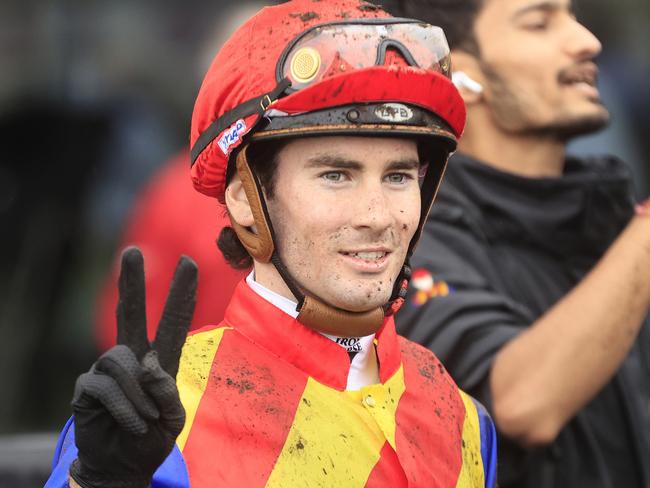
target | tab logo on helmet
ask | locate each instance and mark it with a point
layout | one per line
(232, 135)
(394, 113)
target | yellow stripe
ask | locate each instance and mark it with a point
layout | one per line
(193, 373)
(333, 441)
(386, 397)
(471, 474)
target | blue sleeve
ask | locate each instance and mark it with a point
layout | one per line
(171, 474)
(64, 454)
(488, 446)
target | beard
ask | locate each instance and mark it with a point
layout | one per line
(512, 112)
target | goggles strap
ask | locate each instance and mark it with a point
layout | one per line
(399, 47)
(257, 105)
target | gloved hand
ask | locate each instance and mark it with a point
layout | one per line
(127, 411)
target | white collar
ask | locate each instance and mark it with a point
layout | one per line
(283, 303)
(363, 368)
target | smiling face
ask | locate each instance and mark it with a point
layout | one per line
(537, 61)
(344, 211)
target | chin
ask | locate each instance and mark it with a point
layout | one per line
(360, 300)
(574, 125)
(585, 125)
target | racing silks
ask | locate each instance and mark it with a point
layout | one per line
(266, 406)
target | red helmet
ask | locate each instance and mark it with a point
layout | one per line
(313, 67)
(243, 83)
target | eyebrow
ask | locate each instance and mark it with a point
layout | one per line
(545, 5)
(340, 162)
(404, 164)
(332, 161)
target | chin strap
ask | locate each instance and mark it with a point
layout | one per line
(399, 290)
(312, 312)
(317, 315)
(331, 320)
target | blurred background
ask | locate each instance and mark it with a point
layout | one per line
(95, 99)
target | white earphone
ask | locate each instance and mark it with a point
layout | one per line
(463, 81)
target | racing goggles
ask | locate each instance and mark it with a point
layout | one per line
(329, 49)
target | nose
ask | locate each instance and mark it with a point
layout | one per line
(373, 210)
(583, 45)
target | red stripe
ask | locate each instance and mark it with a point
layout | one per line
(388, 352)
(309, 351)
(244, 416)
(387, 471)
(431, 415)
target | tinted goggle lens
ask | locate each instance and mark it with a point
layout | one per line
(331, 49)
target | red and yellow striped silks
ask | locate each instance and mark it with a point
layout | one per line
(266, 407)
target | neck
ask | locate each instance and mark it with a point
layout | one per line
(532, 155)
(267, 276)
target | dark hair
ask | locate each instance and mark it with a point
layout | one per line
(455, 17)
(263, 161)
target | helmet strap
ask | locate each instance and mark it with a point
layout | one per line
(429, 189)
(259, 245)
(312, 312)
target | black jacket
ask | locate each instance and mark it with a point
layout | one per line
(497, 252)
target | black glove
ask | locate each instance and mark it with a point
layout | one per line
(127, 411)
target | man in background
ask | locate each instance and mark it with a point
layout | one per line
(532, 279)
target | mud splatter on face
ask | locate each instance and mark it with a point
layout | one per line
(321, 224)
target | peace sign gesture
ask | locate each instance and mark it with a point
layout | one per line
(176, 316)
(127, 411)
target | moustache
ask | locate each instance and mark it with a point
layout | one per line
(586, 72)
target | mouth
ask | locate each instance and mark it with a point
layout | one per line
(583, 78)
(367, 260)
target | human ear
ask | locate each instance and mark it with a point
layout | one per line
(237, 203)
(467, 76)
